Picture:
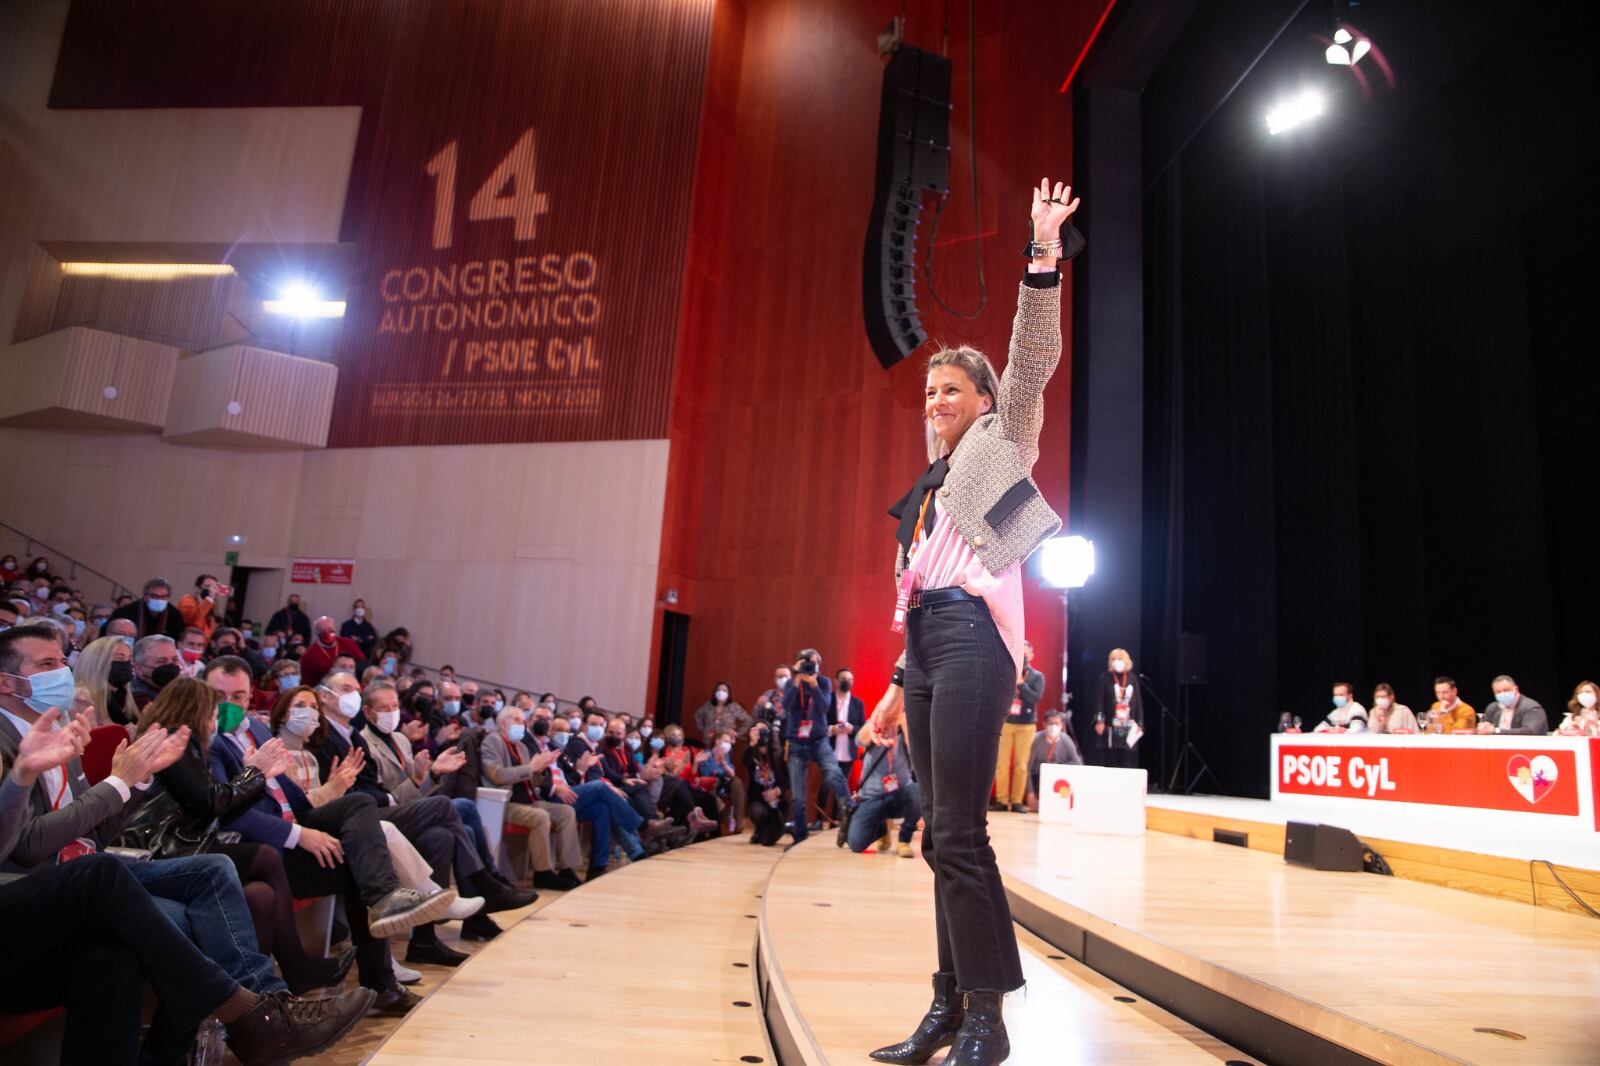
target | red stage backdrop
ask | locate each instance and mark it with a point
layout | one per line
(518, 199)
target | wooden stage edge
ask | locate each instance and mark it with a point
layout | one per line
(1488, 875)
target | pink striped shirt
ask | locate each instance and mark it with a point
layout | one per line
(946, 560)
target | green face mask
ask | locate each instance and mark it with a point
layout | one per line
(229, 715)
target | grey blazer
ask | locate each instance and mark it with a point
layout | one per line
(500, 770)
(97, 813)
(394, 772)
(1527, 718)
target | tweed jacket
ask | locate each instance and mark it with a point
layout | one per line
(395, 765)
(989, 493)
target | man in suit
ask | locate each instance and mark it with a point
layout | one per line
(1513, 713)
(807, 704)
(848, 715)
(291, 621)
(154, 611)
(68, 819)
(1016, 738)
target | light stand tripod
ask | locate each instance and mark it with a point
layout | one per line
(1149, 690)
(1188, 751)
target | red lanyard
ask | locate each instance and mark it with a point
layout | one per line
(55, 804)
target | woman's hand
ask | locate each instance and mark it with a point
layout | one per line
(1051, 209)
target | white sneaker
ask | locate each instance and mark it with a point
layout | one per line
(464, 907)
(403, 973)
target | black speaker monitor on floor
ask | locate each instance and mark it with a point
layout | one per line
(1322, 847)
(913, 158)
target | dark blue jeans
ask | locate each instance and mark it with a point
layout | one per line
(203, 897)
(86, 936)
(817, 750)
(959, 683)
(605, 811)
(866, 825)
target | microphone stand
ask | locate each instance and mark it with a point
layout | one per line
(1148, 688)
(1186, 752)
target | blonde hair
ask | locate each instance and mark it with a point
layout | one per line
(1122, 652)
(979, 371)
(93, 674)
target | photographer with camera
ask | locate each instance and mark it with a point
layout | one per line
(202, 607)
(763, 764)
(807, 701)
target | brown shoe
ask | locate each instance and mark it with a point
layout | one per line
(284, 1027)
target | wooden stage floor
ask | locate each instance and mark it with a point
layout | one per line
(1396, 970)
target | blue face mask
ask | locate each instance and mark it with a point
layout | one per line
(1505, 699)
(388, 667)
(127, 640)
(52, 688)
(269, 654)
(288, 681)
(574, 724)
(656, 743)
(633, 743)
(451, 708)
(156, 606)
(515, 732)
(1340, 701)
(595, 732)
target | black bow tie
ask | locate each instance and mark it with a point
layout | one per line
(911, 502)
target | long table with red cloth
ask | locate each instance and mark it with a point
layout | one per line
(1548, 783)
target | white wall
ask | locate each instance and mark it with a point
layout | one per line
(532, 564)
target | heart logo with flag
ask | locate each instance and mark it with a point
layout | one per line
(1534, 777)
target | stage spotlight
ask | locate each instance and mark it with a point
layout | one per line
(299, 300)
(1067, 562)
(1341, 53)
(1295, 111)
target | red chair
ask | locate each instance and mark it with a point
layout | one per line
(97, 756)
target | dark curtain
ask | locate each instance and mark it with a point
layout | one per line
(1371, 376)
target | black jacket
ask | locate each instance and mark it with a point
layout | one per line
(168, 623)
(335, 746)
(1106, 704)
(1030, 690)
(185, 804)
(291, 622)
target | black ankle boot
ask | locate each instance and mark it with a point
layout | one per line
(982, 1040)
(938, 1029)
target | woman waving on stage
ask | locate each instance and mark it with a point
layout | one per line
(965, 529)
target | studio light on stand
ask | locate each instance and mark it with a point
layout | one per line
(1066, 563)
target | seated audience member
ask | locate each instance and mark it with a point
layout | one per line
(1051, 745)
(768, 775)
(1347, 715)
(718, 775)
(1449, 714)
(554, 852)
(156, 665)
(153, 613)
(1583, 716)
(200, 608)
(1514, 713)
(68, 819)
(86, 936)
(436, 825)
(320, 653)
(1388, 716)
(888, 790)
(105, 671)
(180, 813)
(279, 678)
(358, 627)
(616, 767)
(721, 714)
(596, 802)
(191, 651)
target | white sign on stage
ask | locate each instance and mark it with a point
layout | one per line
(1093, 799)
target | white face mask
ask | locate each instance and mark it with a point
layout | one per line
(1586, 699)
(387, 720)
(302, 721)
(361, 612)
(1382, 703)
(724, 747)
(1119, 666)
(722, 695)
(1053, 731)
(350, 704)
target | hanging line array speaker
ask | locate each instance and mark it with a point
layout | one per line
(913, 159)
